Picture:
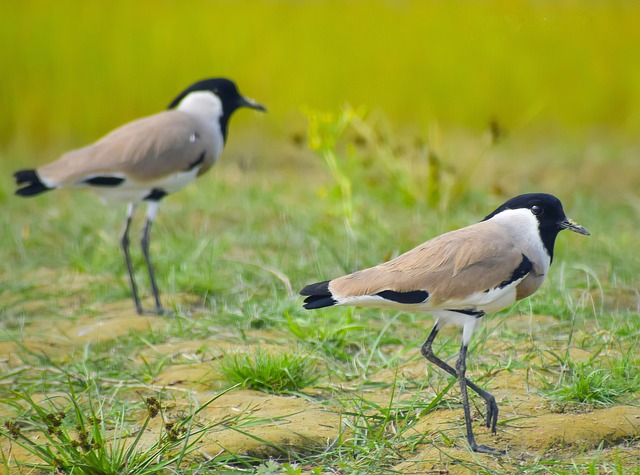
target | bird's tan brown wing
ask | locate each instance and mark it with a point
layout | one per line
(450, 267)
(144, 150)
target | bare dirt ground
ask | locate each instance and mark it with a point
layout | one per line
(533, 431)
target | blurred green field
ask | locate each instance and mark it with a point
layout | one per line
(73, 70)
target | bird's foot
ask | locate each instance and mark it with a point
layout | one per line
(161, 311)
(485, 449)
(167, 313)
(492, 414)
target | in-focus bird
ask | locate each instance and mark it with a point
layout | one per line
(460, 276)
(147, 159)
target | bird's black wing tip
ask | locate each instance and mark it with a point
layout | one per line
(318, 295)
(319, 288)
(24, 176)
(31, 180)
(319, 301)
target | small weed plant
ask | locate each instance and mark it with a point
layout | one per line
(274, 373)
(363, 156)
(584, 384)
(593, 383)
(357, 154)
(76, 434)
(378, 436)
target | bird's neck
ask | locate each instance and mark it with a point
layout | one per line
(524, 228)
(208, 107)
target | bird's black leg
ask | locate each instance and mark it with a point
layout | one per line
(491, 404)
(461, 368)
(145, 250)
(124, 243)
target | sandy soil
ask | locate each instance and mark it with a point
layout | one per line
(532, 431)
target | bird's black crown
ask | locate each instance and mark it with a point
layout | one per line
(542, 205)
(224, 88)
(548, 211)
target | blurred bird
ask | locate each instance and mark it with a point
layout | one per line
(147, 159)
(460, 276)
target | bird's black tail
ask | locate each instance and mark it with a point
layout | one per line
(31, 181)
(318, 295)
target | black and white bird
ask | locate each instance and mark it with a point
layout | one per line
(147, 159)
(460, 276)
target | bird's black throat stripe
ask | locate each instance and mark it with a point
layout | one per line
(196, 163)
(523, 269)
(155, 194)
(411, 297)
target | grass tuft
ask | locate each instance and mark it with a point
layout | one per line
(79, 433)
(274, 373)
(589, 384)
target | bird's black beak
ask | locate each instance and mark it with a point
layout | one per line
(251, 104)
(573, 226)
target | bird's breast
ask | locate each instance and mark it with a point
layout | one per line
(529, 285)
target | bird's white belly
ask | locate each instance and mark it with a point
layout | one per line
(131, 191)
(177, 181)
(492, 301)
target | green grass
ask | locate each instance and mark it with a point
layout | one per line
(78, 433)
(230, 273)
(592, 386)
(279, 373)
(455, 108)
(595, 383)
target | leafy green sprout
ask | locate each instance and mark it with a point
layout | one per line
(73, 438)
(588, 385)
(270, 372)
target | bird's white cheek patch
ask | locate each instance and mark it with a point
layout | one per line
(203, 104)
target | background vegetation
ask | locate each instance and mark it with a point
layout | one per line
(75, 69)
(389, 123)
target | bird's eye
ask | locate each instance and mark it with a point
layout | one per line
(536, 210)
